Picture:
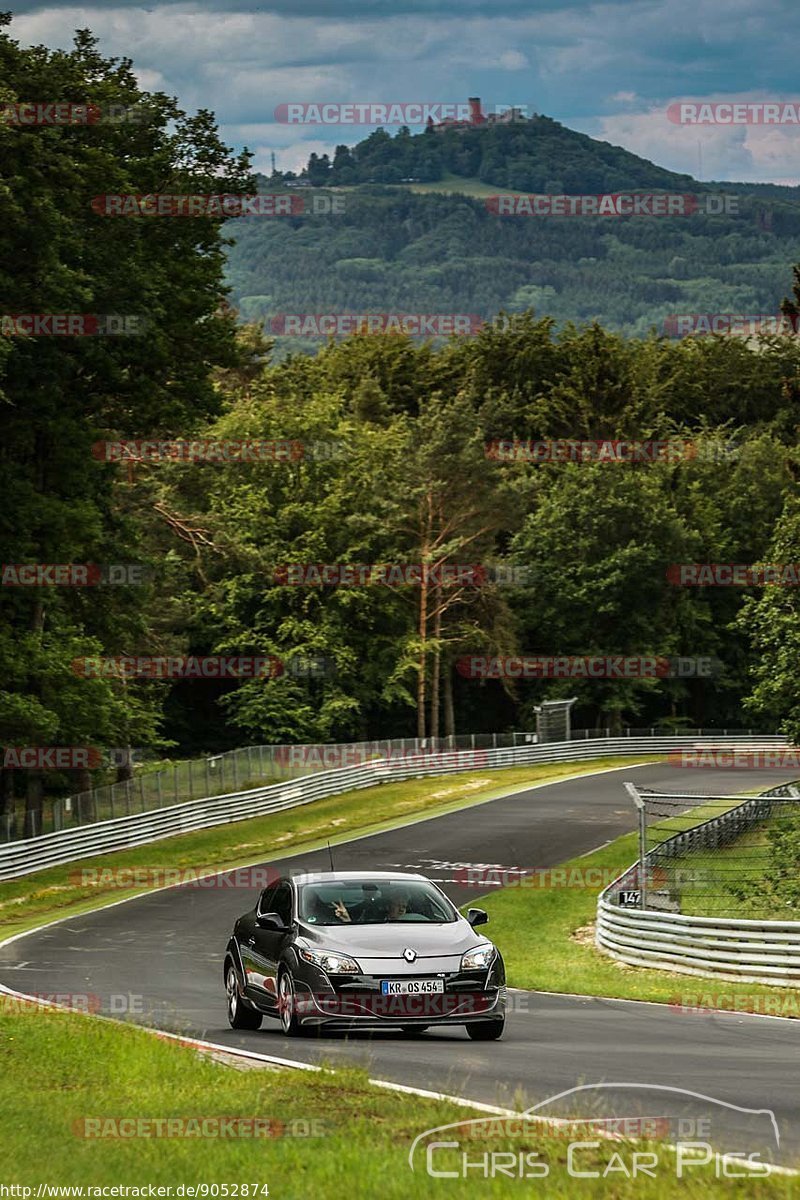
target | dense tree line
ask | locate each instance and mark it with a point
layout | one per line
(395, 251)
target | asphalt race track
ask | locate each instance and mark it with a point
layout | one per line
(167, 948)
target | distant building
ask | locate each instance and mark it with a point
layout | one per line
(477, 118)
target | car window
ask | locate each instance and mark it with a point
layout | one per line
(265, 900)
(282, 903)
(367, 902)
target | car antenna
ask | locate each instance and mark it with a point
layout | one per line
(330, 856)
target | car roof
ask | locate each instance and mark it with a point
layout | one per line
(356, 877)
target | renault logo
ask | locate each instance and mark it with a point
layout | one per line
(409, 955)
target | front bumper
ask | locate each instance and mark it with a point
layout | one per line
(357, 1000)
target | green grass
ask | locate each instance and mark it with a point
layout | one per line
(43, 895)
(58, 1070)
(744, 861)
(451, 184)
(546, 935)
(699, 881)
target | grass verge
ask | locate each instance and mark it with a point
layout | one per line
(546, 935)
(60, 1070)
(59, 891)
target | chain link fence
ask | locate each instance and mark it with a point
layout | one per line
(717, 856)
(220, 774)
(257, 766)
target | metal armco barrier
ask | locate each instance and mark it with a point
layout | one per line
(33, 854)
(727, 948)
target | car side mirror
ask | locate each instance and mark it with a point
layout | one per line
(272, 922)
(477, 916)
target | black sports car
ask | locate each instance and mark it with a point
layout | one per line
(345, 949)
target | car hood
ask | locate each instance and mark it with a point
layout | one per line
(389, 941)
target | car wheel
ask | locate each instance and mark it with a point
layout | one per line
(486, 1031)
(239, 1015)
(287, 1007)
(412, 1030)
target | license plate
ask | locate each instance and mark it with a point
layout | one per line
(411, 987)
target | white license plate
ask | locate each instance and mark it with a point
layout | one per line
(411, 987)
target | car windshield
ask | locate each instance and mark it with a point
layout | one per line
(378, 902)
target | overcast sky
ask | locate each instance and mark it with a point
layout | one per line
(607, 69)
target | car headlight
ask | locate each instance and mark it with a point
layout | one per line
(331, 963)
(477, 960)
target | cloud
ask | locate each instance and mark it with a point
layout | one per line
(571, 59)
(746, 153)
(311, 8)
(513, 60)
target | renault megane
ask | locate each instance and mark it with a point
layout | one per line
(348, 949)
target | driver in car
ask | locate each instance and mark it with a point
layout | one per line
(391, 908)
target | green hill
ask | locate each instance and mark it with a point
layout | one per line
(433, 244)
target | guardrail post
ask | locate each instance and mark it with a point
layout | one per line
(633, 792)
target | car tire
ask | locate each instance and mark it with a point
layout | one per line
(412, 1030)
(239, 1015)
(486, 1031)
(290, 1026)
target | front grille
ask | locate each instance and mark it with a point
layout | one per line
(465, 993)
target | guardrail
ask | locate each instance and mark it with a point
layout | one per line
(222, 774)
(249, 767)
(34, 854)
(728, 948)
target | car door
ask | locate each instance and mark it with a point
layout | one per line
(252, 959)
(269, 943)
